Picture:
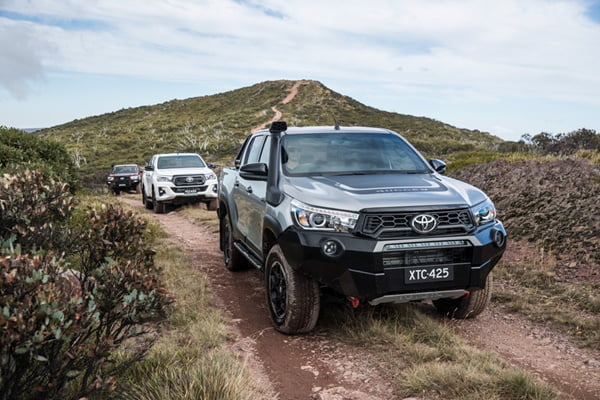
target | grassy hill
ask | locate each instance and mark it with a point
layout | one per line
(215, 125)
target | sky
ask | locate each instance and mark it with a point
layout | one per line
(506, 67)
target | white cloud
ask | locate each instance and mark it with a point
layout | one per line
(20, 60)
(463, 51)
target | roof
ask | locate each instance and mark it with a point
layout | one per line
(330, 129)
(177, 154)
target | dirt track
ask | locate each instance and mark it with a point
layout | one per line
(296, 367)
(315, 366)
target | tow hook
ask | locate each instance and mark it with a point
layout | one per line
(354, 302)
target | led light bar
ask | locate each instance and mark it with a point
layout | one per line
(425, 245)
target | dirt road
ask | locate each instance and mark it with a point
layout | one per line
(298, 367)
(315, 366)
(277, 114)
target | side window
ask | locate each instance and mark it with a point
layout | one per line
(253, 151)
(266, 150)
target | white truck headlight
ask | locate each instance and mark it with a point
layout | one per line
(210, 177)
(309, 217)
(484, 212)
(164, 178)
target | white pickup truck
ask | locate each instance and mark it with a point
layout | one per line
(178, 178)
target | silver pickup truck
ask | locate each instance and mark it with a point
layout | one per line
(358, 211)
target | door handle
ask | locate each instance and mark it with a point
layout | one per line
(249, 189)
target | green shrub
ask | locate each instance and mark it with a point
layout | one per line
(19, 149)
(88, 285)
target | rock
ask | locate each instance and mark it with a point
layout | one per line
(592, 363)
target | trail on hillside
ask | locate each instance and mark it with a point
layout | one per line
(292, 93)
(316, 366)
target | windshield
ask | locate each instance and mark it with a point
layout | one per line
(125, 169)
(348, 154)
(189, 161)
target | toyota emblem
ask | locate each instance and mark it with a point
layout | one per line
(189, 179)
(423, 223)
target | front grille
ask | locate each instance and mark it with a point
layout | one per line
(417, 258)
(189, 180)
(398, 224)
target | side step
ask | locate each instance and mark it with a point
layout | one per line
(252, 259)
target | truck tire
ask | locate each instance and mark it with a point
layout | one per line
(147, 203)
(293, 299)
(234, 260)
(468, 306)
(212, 205)
(159, 206)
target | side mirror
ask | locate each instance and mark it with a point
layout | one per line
(438, 165)
(210, 165)
(149, 168)
(254, 172)
(237, 164)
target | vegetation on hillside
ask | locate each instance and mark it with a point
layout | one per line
(552, 203)
(19, 149)
(215, 125)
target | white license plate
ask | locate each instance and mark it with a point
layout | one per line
(428, 274)
(191, 191)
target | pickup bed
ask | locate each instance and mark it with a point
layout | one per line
(357, 211)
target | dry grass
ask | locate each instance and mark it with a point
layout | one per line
(422, 357)
(532, 289)
(190, 360)
(200, 214)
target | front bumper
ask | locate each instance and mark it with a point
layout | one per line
(169, 193)
(377, 270)
(122, 184)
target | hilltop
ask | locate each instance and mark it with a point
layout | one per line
(215, 125)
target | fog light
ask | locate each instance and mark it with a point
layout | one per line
(331, 248)
(498, 237)
(214, 188)
(161, 192)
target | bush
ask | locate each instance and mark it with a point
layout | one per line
(88, 285)
(19, 149)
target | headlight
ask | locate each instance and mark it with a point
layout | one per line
(135, 178)
(210, 177)
(163, 178)
(309, 217)
(110, 178)
(484, 212)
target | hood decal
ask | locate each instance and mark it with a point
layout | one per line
(385, 183)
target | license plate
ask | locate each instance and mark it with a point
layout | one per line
(428, 274)
(191, 190)
(122, 184)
